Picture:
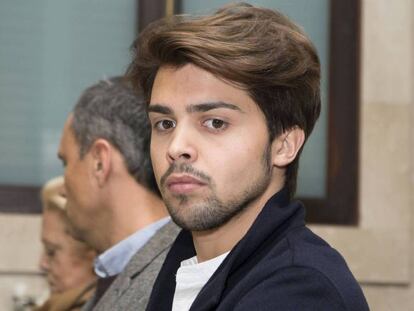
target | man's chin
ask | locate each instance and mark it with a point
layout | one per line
(197, 223)
(52, 287)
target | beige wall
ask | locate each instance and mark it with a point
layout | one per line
(379, 249)
(19, 252)
(388, 97)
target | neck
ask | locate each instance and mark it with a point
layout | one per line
(215, 242)
(131, 207)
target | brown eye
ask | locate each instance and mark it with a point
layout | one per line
(215, 124)
(164, 125)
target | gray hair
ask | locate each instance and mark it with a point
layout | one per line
(113, 111)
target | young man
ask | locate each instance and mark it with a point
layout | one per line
(113, 203)
(232, 99)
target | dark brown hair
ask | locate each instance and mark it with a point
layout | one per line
(258, 50)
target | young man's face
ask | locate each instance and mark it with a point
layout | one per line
(209, 147)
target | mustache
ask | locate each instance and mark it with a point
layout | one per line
(184, 168)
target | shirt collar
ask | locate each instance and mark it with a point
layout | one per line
(114, 260)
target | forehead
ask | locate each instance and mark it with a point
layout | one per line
(191, 85)
(67, 139)
(53, 225)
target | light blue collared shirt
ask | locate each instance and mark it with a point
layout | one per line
(114, 260)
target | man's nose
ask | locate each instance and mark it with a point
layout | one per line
(182, 145)
(44, 262)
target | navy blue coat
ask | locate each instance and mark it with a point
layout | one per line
(278, 265)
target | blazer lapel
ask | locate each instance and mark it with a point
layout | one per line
(153, 248)
(158, 244)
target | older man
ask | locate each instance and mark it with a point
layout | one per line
(112, 200)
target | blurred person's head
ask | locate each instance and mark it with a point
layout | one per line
(68, 263)
(105, 152)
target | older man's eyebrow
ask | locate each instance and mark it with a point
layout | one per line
(62, 158)
(203, 107)
(158, 108)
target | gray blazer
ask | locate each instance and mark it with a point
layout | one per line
(132, 287)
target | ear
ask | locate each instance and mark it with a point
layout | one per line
(286, 146)
(101, 152)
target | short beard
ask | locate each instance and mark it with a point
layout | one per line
(213, 212)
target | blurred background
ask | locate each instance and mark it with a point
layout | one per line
(356, 174)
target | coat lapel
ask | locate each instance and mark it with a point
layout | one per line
(267, 228)
(133, 272)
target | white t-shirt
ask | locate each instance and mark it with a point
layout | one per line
(190, 279)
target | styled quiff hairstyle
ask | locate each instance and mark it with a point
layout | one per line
(111, 109)
(257, 50)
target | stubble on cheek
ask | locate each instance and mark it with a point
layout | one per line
(208, 209)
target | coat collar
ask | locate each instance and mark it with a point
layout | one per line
(161, 241)
(271, 223)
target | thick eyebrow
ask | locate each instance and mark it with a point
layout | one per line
(210, 106)
(203, 107)
(159, 109)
